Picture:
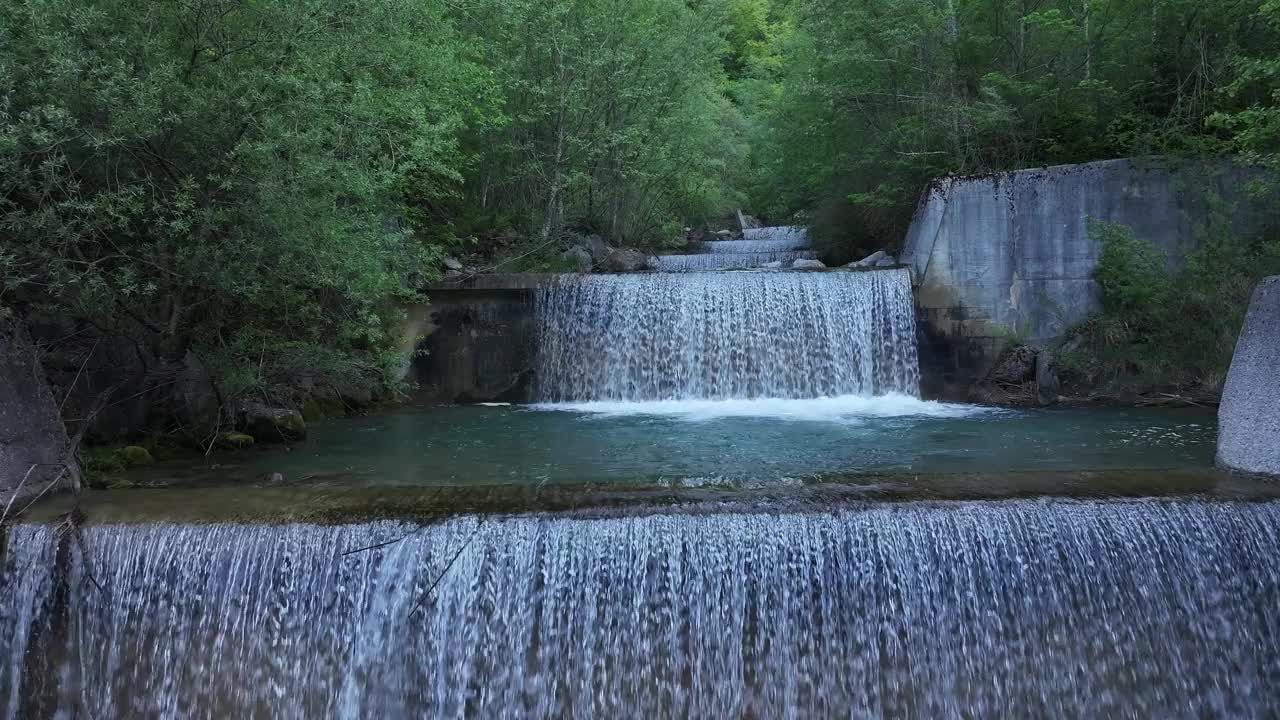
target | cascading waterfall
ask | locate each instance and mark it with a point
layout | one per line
(757, 248)
(782, 232)
(730, 261)
(771, 245)
(1115, 609)
(680, 336)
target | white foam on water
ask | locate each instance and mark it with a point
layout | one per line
(844, 408)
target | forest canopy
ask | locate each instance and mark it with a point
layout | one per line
(270, 182)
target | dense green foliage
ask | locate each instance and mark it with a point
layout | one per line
(221, 174)
(1166, 328)
(612, 121)
(269, 182)
(866, 101)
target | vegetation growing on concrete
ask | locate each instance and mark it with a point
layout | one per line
(1166, 328)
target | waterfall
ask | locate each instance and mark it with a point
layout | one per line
(26, 586)
(730, 261)
(1000, 609)
(770, 245)
(780, 233)
(757, 248)
(681, 336)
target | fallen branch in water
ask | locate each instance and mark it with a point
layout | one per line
(1165, 399)
(70, 525)
(422, 600)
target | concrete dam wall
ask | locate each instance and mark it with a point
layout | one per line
(1010, 254)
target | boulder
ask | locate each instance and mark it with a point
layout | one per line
(886, 261)
(1016, 366)
(34, 448)
(808, 265)
(579, 257)
(271, 424)
(724, 234)
(1249, 416)
(625, 260)
(870, 260)
(596, 247)
(452, 263)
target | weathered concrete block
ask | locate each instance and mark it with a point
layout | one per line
(476, 346)
(1249, 418)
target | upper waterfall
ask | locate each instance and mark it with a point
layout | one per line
(701, 335)
(758, 248)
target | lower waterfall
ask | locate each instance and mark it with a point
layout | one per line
(1141, 609)
(681, 336)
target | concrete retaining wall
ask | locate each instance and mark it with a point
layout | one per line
(1010, 254)
(1249, 417)
(476, 345)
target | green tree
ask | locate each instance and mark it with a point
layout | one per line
(225, 175)
(614, 120)
(877, 97)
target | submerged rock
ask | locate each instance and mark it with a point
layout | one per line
(1249, 417)
(272, 424)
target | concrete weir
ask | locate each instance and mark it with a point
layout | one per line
(667, 335)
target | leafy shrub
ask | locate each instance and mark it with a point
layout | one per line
(1164, 327)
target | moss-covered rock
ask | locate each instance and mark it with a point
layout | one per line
(100, 463)
(235, 441)
(132, 456)
(106, 467)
